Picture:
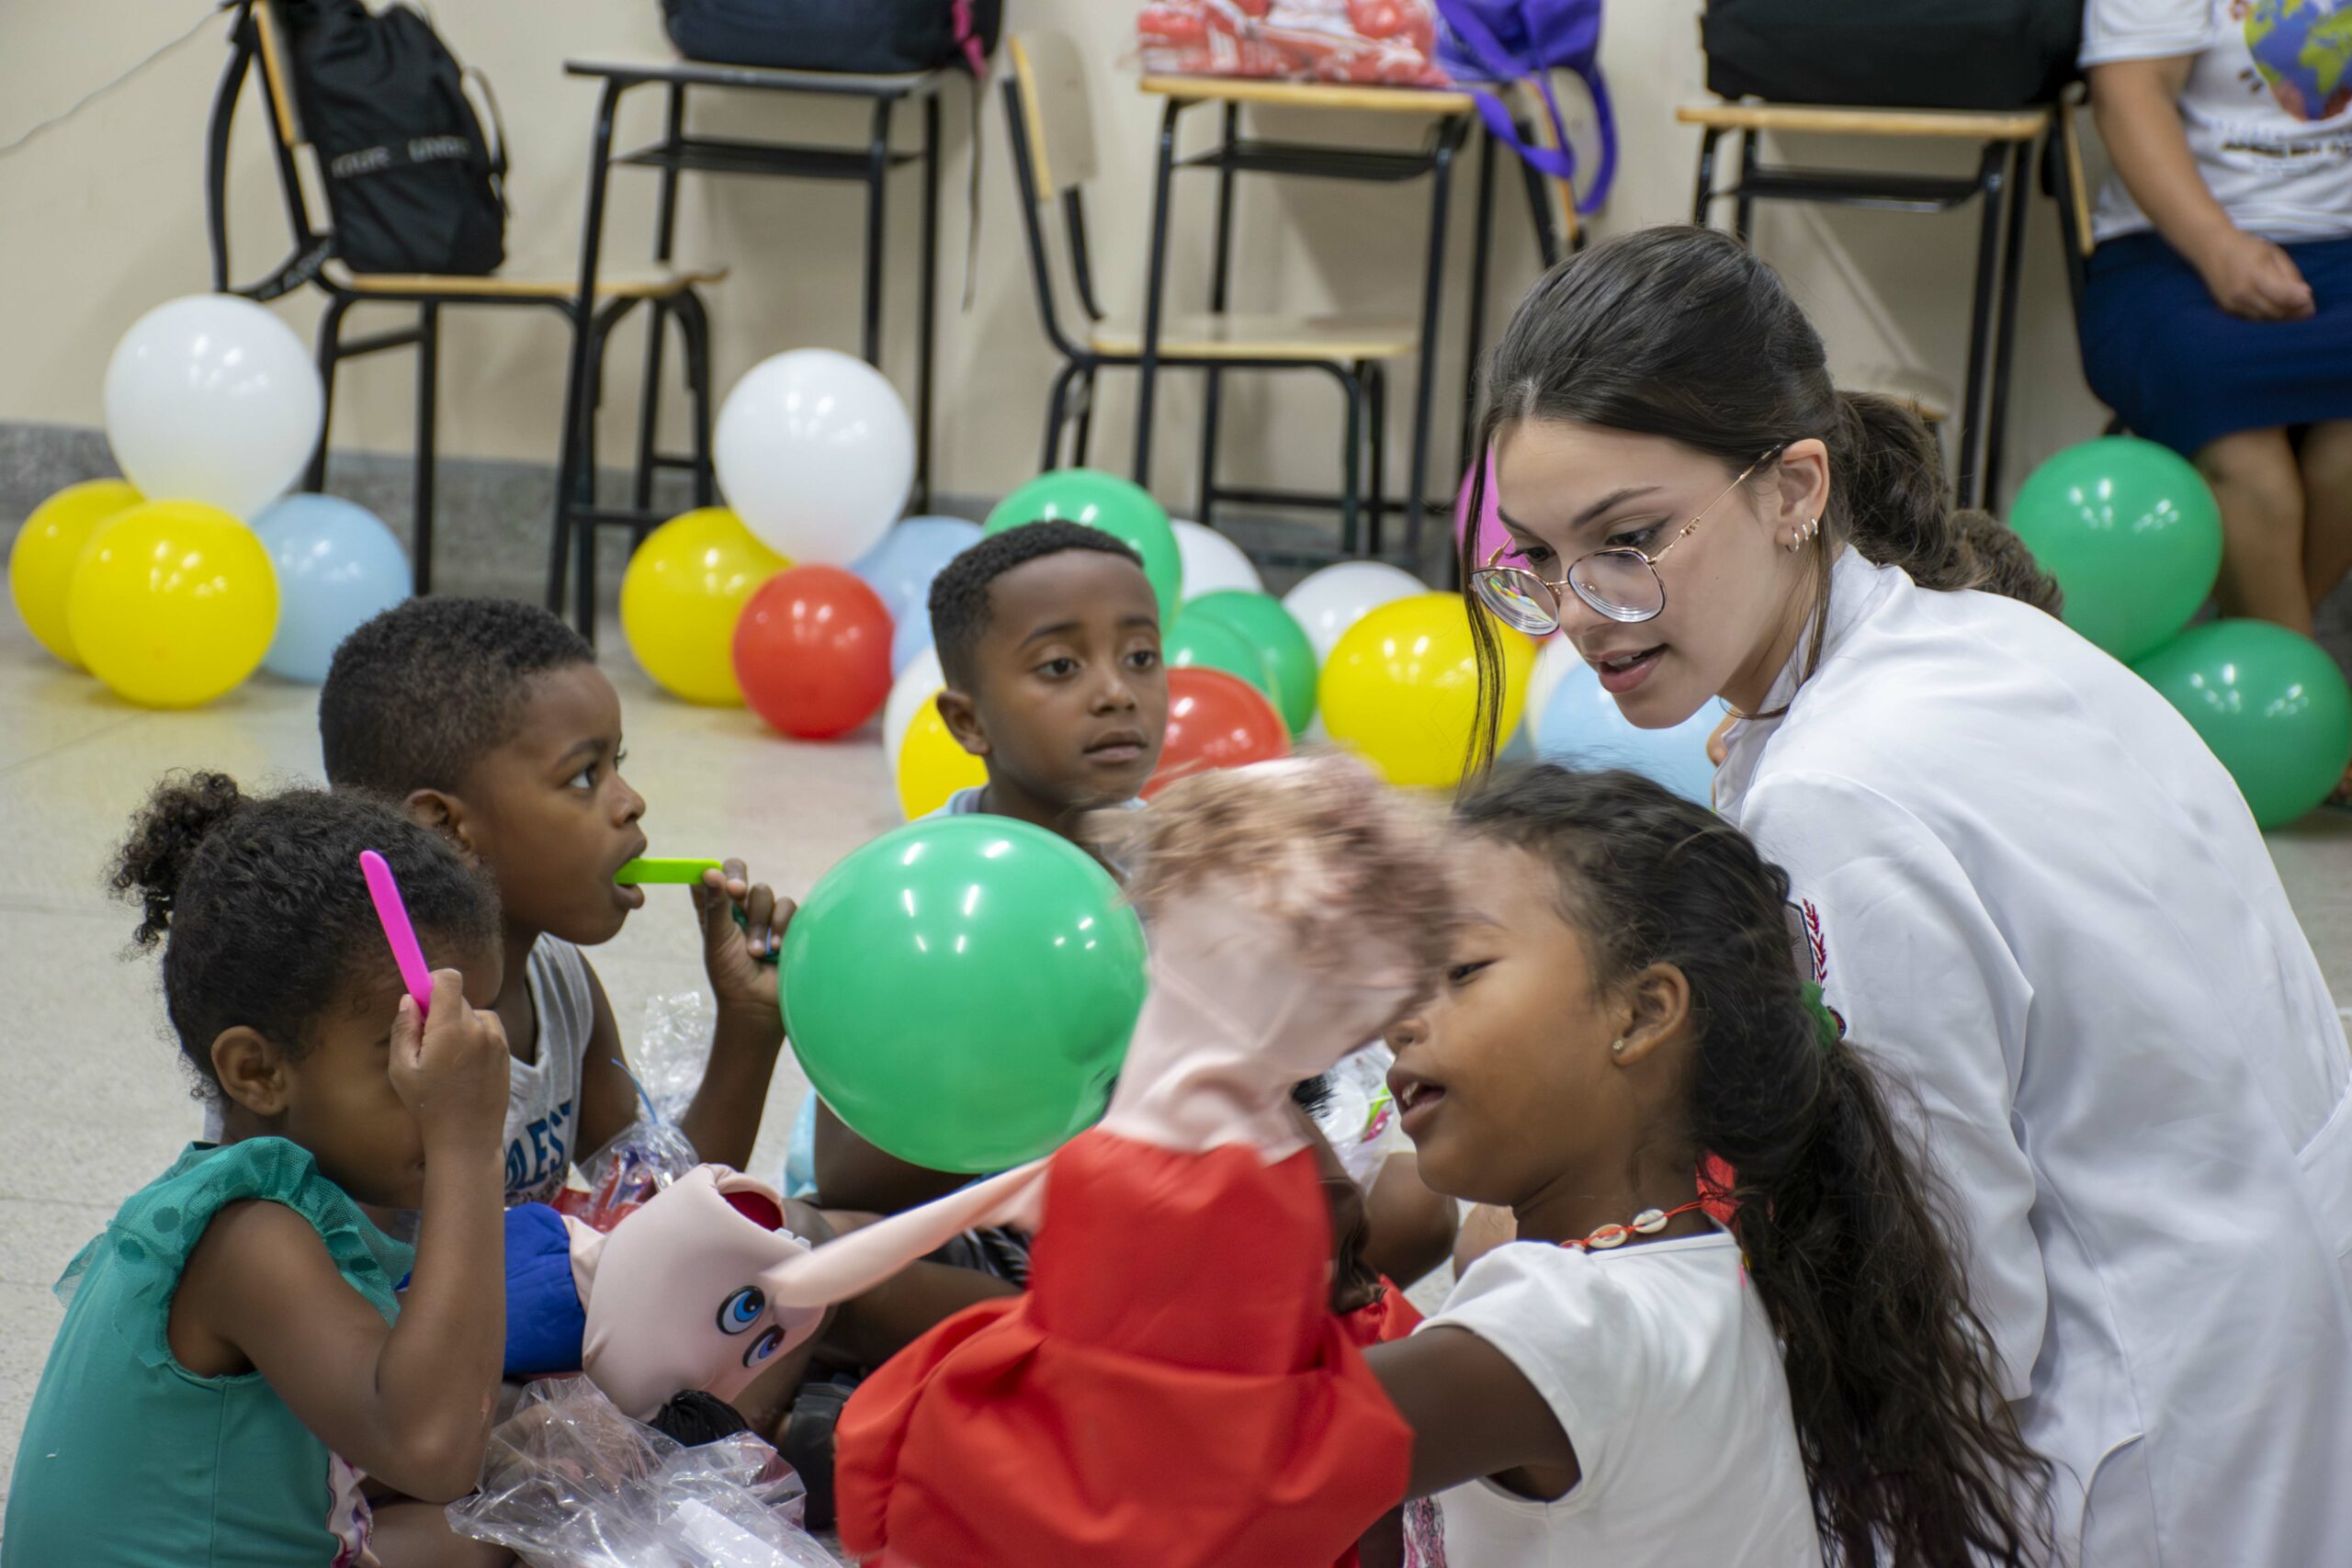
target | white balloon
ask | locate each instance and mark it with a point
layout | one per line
(815, 453)
(1214, 563)
(1554, 659)
(922, 681)
(210, 398)
(1331, 600)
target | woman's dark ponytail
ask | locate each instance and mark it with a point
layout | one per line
(1684, 332)
(1911, 1454)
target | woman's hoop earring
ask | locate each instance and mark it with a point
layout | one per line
(1803, 535)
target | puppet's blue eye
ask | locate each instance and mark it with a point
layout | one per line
(739, 1310)
(766, 1345)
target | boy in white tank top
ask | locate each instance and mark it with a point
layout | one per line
(490, 721)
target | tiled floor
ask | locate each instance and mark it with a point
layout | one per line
(97, 1103)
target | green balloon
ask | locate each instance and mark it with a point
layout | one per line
(2269, 701)
(1119, 507)
(1210, 644)
(961, 991)
(1290, 657)
(2131, 534)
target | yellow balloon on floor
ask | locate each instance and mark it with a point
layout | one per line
(41, 561)
(932, 766)
(174, 603)
(684, 591)
(1401, 687)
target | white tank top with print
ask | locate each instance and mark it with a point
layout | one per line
(543, 1094)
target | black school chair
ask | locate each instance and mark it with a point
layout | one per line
(257, 33)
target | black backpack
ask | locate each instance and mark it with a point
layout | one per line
(1941, 54)
(412, 183)
(874, 38)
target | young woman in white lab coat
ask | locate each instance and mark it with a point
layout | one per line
(2019, 878)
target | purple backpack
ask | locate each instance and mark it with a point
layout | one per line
(1512, 40)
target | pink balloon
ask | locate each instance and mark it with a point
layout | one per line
(1492, 534)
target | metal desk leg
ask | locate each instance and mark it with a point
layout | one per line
(877, 177)
(1703, 198)
(1432, 314)
(579, 405)
(1474, 332)
(665, 224)
(1744, 204)
(428, 378)
(2004, 331)
(1968, 485)
(927, 311)
(1155, 283)
(1220, 283)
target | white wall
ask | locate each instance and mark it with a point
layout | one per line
(103, 218)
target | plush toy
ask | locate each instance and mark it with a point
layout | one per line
(673, 1301)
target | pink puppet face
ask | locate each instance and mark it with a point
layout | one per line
(673, 1295)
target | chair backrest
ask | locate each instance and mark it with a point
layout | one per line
(1049, 79)
(256, 34)
(1561, 197)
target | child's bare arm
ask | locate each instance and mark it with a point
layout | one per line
(723, 1121)
(854, 1174)
(1473, 1414)
(1409, 1230)
(410, 1404)
(608, 1100)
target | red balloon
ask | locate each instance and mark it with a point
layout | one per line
(812, 651)
(1215, 720)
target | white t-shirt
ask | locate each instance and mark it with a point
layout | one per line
(2268, 108)
(1664, 1375)
(543, 1094)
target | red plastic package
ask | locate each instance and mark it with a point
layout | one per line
(1379, 43)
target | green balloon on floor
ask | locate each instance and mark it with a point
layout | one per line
(2131, 534)
(1120, 508)
(1208, 643)
(961, 991)
(2271, 703)
(1289, 655)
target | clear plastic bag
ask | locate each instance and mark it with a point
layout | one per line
(644, 1158)
(1359, 1119)
(672, 1050)
(570, 1482)
(650, 1153)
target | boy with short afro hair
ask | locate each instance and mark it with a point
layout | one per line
(1049, 638)
(489, 720)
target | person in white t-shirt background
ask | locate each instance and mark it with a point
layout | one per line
(1633, 1379)
(2217, 309)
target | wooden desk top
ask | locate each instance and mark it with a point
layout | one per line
(708, 74)
(1433, 101)
(1968, 125)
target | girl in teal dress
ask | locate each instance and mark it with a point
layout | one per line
(241, 1376)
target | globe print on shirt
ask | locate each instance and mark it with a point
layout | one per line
(2303, 48)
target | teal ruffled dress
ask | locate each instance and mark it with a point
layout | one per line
(130, 1461)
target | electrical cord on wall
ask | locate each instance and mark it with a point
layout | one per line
(101, 90)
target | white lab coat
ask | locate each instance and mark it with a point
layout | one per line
(2032, 891)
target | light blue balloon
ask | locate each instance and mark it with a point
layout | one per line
(1583, 728)
(900, 566)
(911, 636)
(337, 566)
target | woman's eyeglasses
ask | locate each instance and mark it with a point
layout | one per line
(1622, 583)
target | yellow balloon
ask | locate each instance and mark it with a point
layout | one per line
(932, 766)
(41, 561)
(1401, 687)
(172, 603)
(684, 591)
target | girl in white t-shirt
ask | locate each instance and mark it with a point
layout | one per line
(1731, 1331)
